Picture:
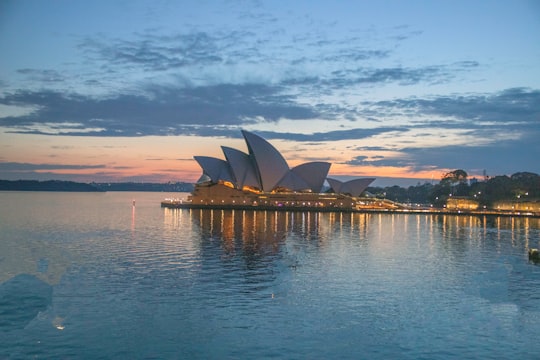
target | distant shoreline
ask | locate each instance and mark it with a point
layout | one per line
(71, 186)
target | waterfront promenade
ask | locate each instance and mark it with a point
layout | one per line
(183, 204)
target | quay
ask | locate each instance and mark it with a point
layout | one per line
(186, 204)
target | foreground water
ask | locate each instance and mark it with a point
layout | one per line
(91, 276)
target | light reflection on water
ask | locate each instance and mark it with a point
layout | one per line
(89, 275)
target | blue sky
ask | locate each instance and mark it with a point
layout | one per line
(131, 90)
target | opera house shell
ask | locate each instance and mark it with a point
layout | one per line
(261, 177)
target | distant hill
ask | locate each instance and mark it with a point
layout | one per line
(57, 185)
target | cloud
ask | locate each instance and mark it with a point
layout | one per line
(346, 54)
(516, 155)
(42, 75)
(230, 94)
(16, 166)
(372, 148)
(157, 52)
(163, 111)
(311, 59)
(73, 172)
(348, 78)
(349, 134)
(511, 155)
(502, 131)
(515, 105)
(362, 160)
(221, 110)
(402, 76)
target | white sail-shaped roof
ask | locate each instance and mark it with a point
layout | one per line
(265, 168)
(216, 169)
(357, 186)
(270, 164)
(354, 187)
(242, 168)
(335, 185)
(293, 182)
(313, 173)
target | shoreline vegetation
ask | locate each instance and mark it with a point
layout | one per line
(71, 186)
(455, 189)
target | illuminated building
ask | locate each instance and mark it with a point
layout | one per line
(262, 178)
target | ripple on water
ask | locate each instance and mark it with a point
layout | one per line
(156, 283)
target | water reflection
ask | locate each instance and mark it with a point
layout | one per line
(266, 230)
(522, 231)
(445, 250)
(133, 218)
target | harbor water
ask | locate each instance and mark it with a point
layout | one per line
(115, 276)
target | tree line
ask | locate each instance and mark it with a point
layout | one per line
(521, 186)
(61, 185)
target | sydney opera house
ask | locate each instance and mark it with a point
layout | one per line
(262, 178)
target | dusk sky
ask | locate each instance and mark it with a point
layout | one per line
(132, 90)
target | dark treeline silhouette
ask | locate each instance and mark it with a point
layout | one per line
(132, 186)
(49, 185)
(58, 185)
(521, 186)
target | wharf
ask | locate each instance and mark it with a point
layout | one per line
(183, 204)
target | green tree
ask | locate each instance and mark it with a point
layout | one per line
(455, 177)
(498, 188)
(452, 183)
(420, 193)
(477, 191)
(526, 184)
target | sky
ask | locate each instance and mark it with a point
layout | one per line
(404, 91)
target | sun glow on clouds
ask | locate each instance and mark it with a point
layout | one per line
(142, 158)
(60, 129)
